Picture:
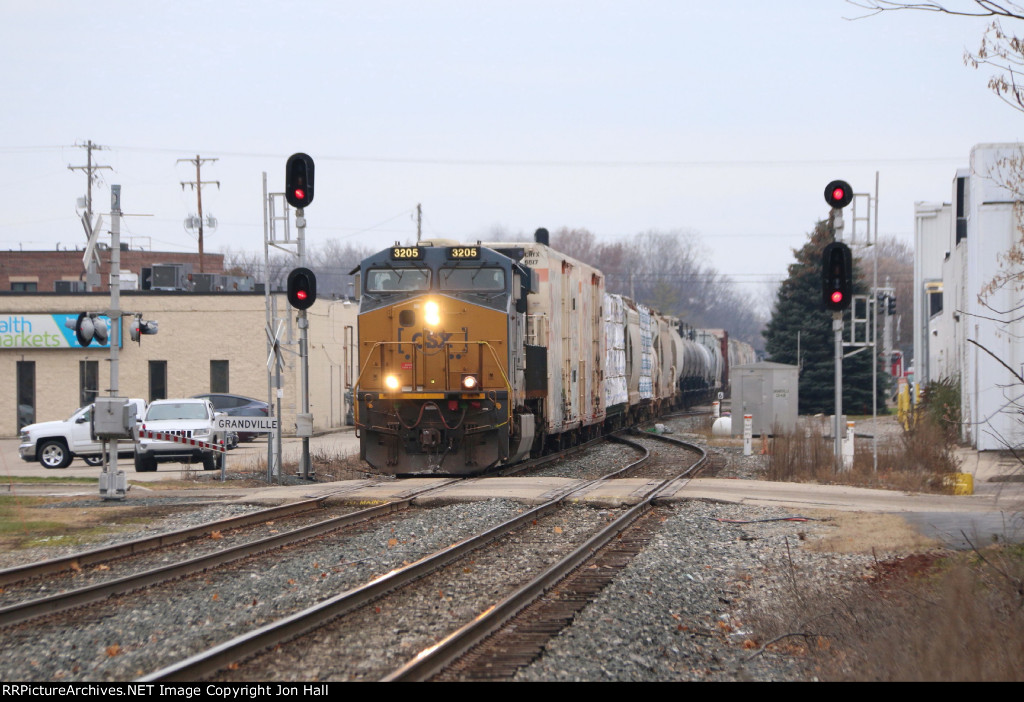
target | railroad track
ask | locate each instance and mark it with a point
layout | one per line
(210, 564)
(510, 647)
(302, 646)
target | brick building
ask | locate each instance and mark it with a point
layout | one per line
(43, 271)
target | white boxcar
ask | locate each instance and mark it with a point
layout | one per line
(565, 315)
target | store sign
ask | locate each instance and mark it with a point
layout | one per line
(43, 331)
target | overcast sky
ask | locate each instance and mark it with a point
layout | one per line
(723, 118)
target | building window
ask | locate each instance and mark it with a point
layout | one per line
(88, 382)
(219, 376)
(157, 380)
(26, 371)
(24, 287)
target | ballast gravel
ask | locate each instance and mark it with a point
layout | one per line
(129, 636)
(679, 611)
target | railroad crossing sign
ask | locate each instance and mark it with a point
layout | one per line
(274, 359)
(251, 425)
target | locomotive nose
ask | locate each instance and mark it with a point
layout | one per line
(430, 439)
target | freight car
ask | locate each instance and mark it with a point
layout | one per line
(472, 356)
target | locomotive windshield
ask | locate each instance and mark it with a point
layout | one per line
(397, 279)
(477, 279)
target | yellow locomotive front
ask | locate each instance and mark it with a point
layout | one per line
(439, 342)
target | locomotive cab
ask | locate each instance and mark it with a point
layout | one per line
(439, 373)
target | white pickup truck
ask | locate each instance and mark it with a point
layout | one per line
(56, 444)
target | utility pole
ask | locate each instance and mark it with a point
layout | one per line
(89, 169)
(92, 270)
(419, 222)
(197, 185)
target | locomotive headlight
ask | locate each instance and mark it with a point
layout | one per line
(432, 313)
(470, 381)
(391, 382)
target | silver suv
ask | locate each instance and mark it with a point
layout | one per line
(190, 421)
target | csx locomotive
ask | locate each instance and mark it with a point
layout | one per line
(473, 356)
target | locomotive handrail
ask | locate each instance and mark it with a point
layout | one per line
(463, 342)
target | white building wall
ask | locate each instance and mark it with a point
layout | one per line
(971, 340)
(194, 329)
(932, 222)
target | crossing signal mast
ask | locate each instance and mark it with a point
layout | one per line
(298, 191)
(837, 292)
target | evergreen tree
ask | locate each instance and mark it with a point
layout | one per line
(799, 309)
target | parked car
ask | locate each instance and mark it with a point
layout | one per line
(237, 406)
(192, 419)
(56, 444)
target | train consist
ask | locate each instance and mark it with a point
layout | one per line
(473, 356)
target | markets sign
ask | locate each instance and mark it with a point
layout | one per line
(43, 331)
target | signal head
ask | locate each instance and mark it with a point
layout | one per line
(298, 180)
(301, 288)
(837, 276)
(838, 194)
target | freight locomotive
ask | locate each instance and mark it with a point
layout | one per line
(474, 356)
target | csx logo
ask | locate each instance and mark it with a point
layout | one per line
(431, 340)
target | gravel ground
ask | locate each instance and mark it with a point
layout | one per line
(375, 640)
(126, 637)
(680, 611)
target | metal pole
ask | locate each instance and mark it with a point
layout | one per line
(874, 348)
(837, 330)
(305, 465)
(113, 482)
(266, 302)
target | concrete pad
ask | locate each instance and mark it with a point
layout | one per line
(807, 495)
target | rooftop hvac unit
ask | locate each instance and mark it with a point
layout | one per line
(69, 286)
(171, 276)
(204, 282)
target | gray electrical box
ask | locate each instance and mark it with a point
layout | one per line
(767, 391)
(113, 418)
(303, 424)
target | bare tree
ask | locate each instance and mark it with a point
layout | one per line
(1000, 49)
(666, 271)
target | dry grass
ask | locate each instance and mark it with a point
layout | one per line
(920, 460)
(864, 532)
(920, 618)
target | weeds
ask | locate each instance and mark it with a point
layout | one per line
(919, 460)
(922, 618)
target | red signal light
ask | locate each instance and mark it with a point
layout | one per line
(301, 294)
(837, 297)
(838, 194)
(300, 194)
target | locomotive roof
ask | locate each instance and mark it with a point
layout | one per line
(430, 253)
